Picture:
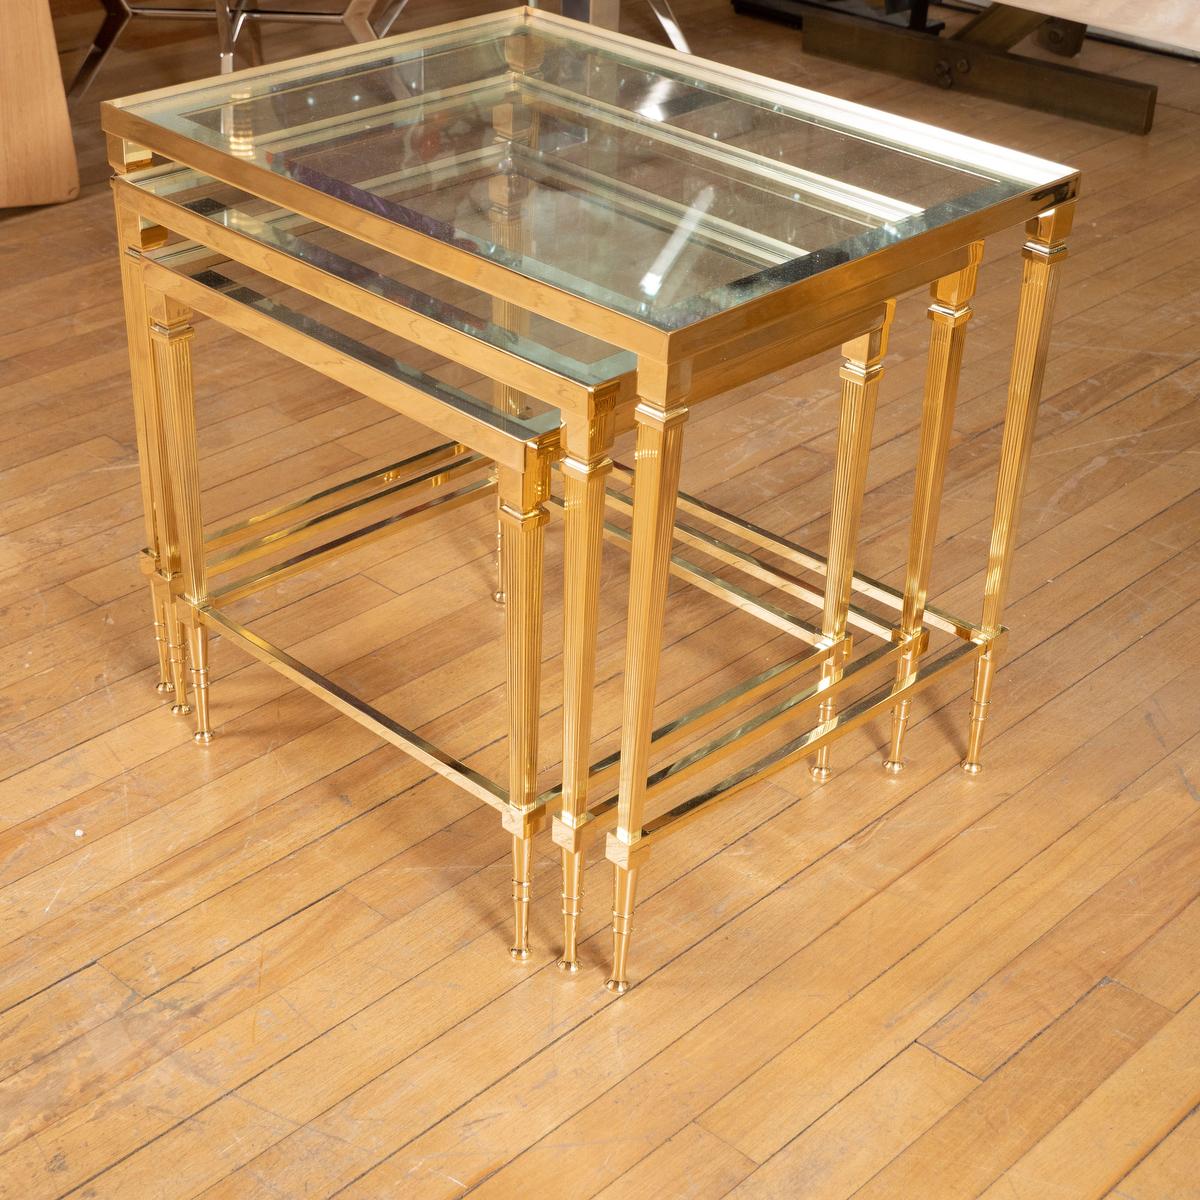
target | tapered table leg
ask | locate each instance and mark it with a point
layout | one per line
(585, 472)
(522, 529)
(1044, 254)
(507, 193)
(656, 486)
(860, 374)
(170, 338)
(162, 565)
(948, 313)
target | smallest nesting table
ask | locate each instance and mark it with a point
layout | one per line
(529, 236)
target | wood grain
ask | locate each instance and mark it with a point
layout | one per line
(35, 131)
(276, 967)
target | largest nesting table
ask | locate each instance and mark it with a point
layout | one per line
(593, 234)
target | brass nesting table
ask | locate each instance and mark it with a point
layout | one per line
(529, 236)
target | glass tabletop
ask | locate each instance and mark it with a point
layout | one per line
(657, 185)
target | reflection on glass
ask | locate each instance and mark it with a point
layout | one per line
(728, 186)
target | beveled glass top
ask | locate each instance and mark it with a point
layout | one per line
(657, 185)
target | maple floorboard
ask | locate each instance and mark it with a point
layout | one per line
(275, 967)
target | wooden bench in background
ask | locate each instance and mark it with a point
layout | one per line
(37, 155)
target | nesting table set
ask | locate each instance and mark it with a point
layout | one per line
(597, 234)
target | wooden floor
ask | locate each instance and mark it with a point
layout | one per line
(276, 967)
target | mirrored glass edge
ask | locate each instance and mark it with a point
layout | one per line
(954, 224)
(588, 373)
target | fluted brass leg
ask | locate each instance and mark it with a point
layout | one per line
(585, 472)
(860, 374)
(170, 339)
(197, 636)
(658, 455)
(949, 313)
(522, 864)
(624, 893)
(522, 523)
(572, 904)
(1044, 253)
(156, 509)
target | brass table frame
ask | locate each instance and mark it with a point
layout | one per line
(849, 305)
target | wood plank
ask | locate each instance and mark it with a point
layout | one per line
(1092, 1148)
(639, 1108)
(861, 1133)
(479, 1141)
(1022, 1101)
(49, 1019)
(1168, 1172)
(761, 1112)
(1167, 967)
(145, 1030)
(995, 1021)
(691, 1164)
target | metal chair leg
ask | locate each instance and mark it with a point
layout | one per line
(243, 24)
(357, 19)
(225, 23)
(117, 14)
(670, 23)
(383, 20)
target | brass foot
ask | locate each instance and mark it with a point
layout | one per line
(499, 597)
(568, 966)
(981, 691)
(197, 639)
(624, 893)
(160, 642)
(522, 861)
(572, 867)
(178, 673)
(821, 770)
(893, 760)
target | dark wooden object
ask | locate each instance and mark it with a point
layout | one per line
(977, 59)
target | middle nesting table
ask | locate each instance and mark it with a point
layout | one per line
(198, 245)
(194, 245)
